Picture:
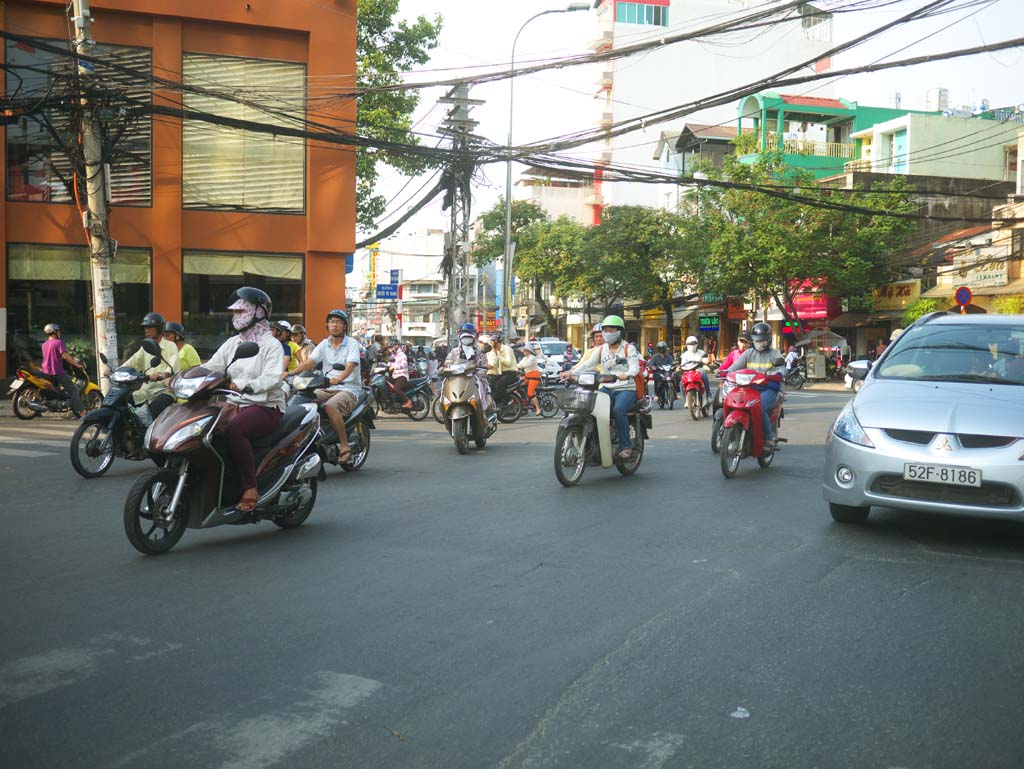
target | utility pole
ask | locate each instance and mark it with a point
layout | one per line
(95, 220)
(459, 127)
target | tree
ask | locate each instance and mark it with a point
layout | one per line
(918, 309)
(384, 50)
(490, 245)
(777, 247)
(553, 255)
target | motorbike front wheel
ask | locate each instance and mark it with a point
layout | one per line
(92, 400)
(437, 408)
(89, 456)
(20, 401)
(299, 517)
(512, 410)
(693, 404)
(420, 407)
(459, 436)
(145, 520)
(570, 455)
(731, 450)
(796, 381)
(360, 448)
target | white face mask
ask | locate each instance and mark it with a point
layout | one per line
(691, 347)
(761, 345)
(612, 337)
(467, 341)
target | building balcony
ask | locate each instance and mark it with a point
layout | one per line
(805, 147)
(861, 165)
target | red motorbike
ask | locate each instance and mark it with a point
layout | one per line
(742, 426)
(694, 394)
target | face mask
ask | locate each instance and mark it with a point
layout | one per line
(761, 345)
(467, 341)
(243, 318)
(691, 347)
(611, 337)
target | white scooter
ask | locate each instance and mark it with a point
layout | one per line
(586, 434)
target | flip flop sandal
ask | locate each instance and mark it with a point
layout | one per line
(344, 456)
(248, 502)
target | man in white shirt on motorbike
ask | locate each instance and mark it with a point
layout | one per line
(692, 354)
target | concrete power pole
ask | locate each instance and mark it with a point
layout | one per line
(459, 127)
(96, 220)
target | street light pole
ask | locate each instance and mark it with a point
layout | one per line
(506, 262)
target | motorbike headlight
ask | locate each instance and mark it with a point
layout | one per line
(849, 429)
(302, 381)
(745, 379)
(122, 376)
(185, 388)
(182, 434)
(587, 378)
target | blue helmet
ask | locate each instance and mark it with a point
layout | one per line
(467, 328)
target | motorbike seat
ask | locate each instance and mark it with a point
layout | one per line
(293, 416)
(642, 407)
(419, 381)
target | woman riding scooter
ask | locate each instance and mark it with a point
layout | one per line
(256, 382)
(399, 367)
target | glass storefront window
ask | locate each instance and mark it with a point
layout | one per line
(40, 146)
(234, 169)
(51, 284)
(209, 277)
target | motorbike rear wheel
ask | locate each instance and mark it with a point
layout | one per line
(20, 401)
(512, 410)
(795, 380)
(693, 404)
(420, 407)
(459, 436)
(716, 436)
(765, 460)
(87, 456)
(632, 464)
(671, 395)
(147, 500)
(731, 451)
(360, 448)
(437, 409)
(570, 455)
(299, 517)
(92, 400)
(548, 405)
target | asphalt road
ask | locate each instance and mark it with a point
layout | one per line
(447, 611)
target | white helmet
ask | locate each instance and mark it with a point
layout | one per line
(691, 340)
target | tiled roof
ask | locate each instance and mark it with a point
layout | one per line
(811, 101)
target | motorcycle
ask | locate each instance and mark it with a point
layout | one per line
(587, 436)
(741, 428)
(357, 424)
(796, 376)
(117, 429)
(512, 406)
(718, 422)
(464, 415)
(389, 402)
(692, 383)
(198, 484)
(664, 385)
(33, 393)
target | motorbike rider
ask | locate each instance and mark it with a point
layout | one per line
(742, 343)
(762, 357)
(256, 382)
(619, 357)
(282, 331)
(692, 352)
(466, 351)
(298, 334)
(157, 392)
(501, 368)
(187, 355)
(792, 356)
(55, 355)
(663, 357)
(398, 365)
(341, 396)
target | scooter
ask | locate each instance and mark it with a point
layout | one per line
(465, 417)
(692, 383)
(198, 485)
(357, 424)
(389, 402)
(796, 376)
(33, 393)
(664, 386)
(718, 422)
(587, 436)
(741, 435)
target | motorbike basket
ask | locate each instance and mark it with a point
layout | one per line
(578, 399)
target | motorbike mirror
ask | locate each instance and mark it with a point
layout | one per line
(246, 350)
(103, 358)
(858, 369)
(779, 361)
(151, 346)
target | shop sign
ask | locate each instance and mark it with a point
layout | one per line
(980, 275)
(712, 298)
(708, 321)
(735, 310)
(654, 314)
(897, 295)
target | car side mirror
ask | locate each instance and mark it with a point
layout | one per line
(858, 369)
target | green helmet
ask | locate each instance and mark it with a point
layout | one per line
(613, 320)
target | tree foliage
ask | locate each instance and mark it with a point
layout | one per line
(385, 49)
(918, 309)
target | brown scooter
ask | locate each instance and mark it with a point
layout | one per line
(465, 414)
(197, 487)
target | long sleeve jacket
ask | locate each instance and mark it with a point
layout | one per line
(261, 373)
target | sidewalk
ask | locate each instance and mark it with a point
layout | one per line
(836, 387)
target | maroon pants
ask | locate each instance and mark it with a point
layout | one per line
(250, 422)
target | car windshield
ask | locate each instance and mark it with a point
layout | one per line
(553, 348)
(957, 353)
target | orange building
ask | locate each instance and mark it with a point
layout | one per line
(197, 209)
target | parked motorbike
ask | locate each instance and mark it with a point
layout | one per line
(796, 376)
(692, 384)
(741, 436)
(33, 393)
(510, 407)
(118, 428)
(464, 415)
(664, 385)
(357, 424)
(587, 436)
(389, 402)
(198, 485)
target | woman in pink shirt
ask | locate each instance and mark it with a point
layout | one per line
(399, 366)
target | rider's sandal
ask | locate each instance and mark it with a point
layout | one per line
(248, 501)
(344, 455)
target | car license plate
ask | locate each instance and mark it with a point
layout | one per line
(16, 384)
(954, 476)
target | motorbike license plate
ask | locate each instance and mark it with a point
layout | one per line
(948, 474)
(16, 384)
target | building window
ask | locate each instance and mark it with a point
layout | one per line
(234, 169)
(42, 142)
(641, 13)
(209, 277)
(52, 284)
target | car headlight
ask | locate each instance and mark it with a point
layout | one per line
(182, 434)
(848, 428)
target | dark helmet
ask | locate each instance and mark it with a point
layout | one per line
(467, 328)
(298, 329)
(340, 314)
(393, 342)
(153, 319)
(662, 345)
(175, 328)
(254, 296)
(760, 332)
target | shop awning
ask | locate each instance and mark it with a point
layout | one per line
(947, 292)
(851, 320)
(884, 316)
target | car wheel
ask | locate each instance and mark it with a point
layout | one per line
(848, 513)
